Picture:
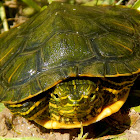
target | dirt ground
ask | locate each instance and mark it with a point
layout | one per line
(121, 125)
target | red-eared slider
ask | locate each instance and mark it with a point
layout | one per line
(70, 64)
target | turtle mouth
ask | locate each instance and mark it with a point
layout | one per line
(106, 111)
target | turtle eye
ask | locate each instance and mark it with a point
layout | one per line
(92, 96)
(56, 96)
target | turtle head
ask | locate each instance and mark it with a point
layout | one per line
(75, 101)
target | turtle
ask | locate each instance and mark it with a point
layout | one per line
(70, 65)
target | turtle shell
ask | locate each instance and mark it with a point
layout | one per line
(68, 41)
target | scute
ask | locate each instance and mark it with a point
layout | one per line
(68, 41)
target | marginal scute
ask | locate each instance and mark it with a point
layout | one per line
(111, 69)
(95, 69)
(71, 70)
(25, 91)
(135, 65)
(1, 91)
(49, 79)
(35, 87)
(7, 95)
(120, 68)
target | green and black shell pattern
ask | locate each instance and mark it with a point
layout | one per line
(68, 41)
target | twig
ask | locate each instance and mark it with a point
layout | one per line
(3, 17)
